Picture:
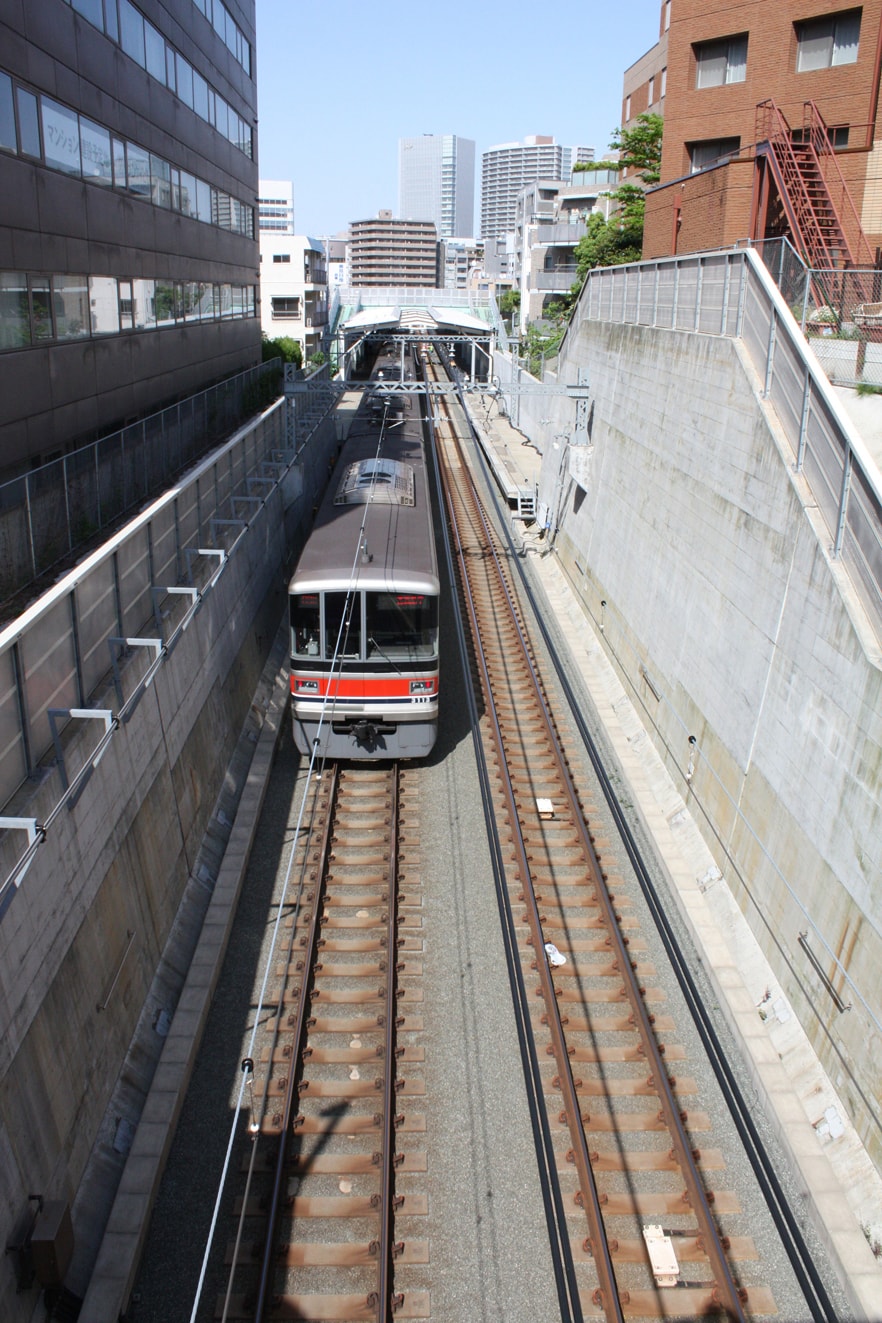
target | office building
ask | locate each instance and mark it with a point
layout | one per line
(508, 167)
(436, 182)
(128, 247)
(459, 259)
(389, 252)
(275, 206)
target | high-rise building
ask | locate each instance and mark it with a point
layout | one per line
(389, 252)
(506, 168)
(128, 246)
(436, 182)
(275, 202)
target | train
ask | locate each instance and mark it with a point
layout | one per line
(364, 597)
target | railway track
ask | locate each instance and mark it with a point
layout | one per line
(322, 1221)
(650, 1228)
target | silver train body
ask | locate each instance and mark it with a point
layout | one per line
(364, 597)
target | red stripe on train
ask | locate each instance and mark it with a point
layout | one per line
(319, 686)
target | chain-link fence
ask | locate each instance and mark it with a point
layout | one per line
(840, 312)
(60, 508)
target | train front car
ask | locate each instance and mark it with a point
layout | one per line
(364, 602)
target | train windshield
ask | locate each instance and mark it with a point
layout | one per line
(401, 626)
(342, 625)
(305, 624)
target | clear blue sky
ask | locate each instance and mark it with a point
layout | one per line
(339, 84)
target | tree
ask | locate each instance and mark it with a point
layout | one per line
(620, 239)
(639, 148)
(510, 303)
(283, 347)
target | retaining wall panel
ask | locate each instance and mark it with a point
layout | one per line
(133, 564)
(49, 666)
(13, 764)
(97, 621)
(717, 579)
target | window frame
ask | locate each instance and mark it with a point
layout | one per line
(813, 28)
(730, 52)
(729, 147)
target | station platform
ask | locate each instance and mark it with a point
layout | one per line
(515, 461)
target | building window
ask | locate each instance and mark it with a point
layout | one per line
(667, 21)
(281, 257)
(15, 331)
(38, 308)
(664, 82)
(650, 96)
(824, 42)
(721, 62)
(286, 309)
(711, 152)
(61, 137)
(837, 136)
(28, 123)
(7, 114)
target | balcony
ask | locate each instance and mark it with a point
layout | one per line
(557, 281)
(561, 233)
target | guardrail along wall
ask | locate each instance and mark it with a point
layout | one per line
(48, 513)
(124, 691)
(732, 294)
(722, 529)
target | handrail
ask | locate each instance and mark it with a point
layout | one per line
(773, 128)
(859, 251)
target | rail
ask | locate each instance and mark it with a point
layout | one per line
(731, 293)
(486, 592)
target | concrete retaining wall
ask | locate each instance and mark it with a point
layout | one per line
(729, 623)
(81, 941)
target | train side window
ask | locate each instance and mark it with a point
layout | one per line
(343, 609)
(305, 625)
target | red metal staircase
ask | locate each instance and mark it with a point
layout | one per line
(813, 191)
(824, 223)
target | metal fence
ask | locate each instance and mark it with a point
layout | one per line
(840, 311)
(48, 513)
(732, 293)
(53, 657)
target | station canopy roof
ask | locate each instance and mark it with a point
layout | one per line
(423, 320)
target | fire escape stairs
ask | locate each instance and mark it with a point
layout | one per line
(823, 219)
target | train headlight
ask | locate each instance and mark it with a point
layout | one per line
(306, 686)
(421, 686)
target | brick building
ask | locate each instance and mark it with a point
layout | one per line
(645, 83)
(770, 128)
